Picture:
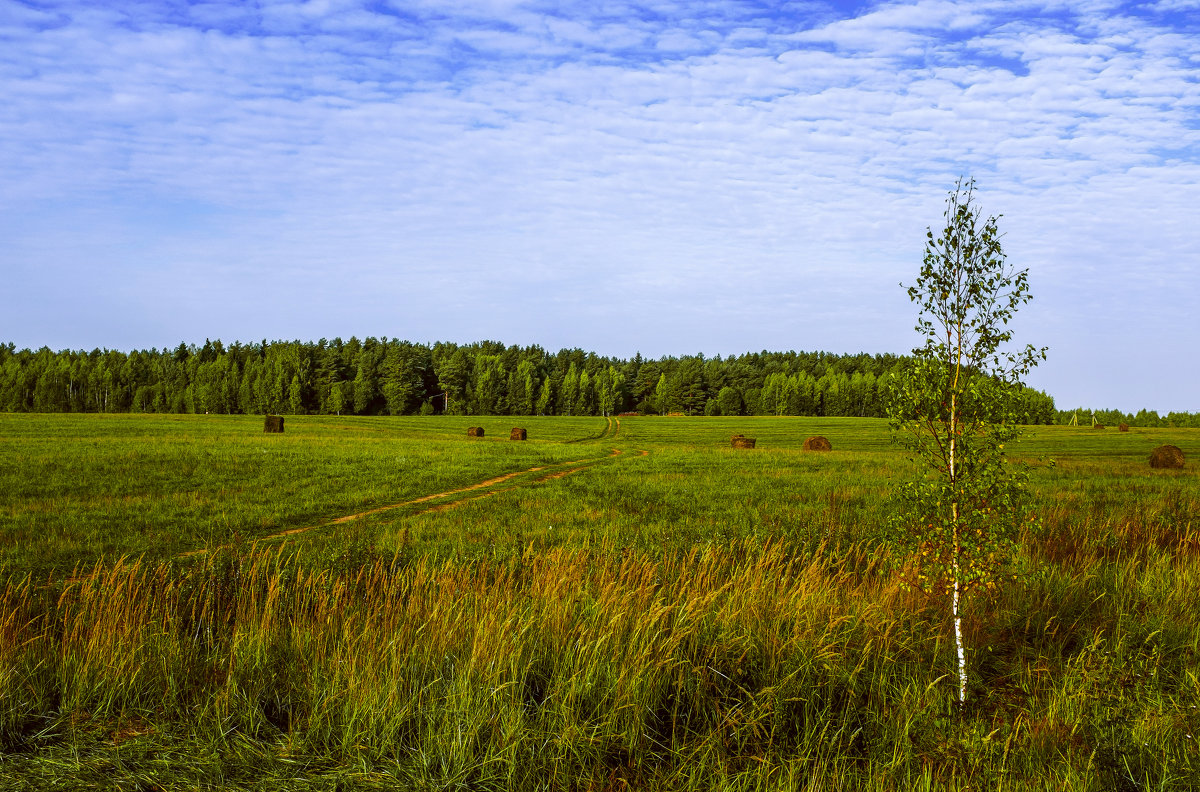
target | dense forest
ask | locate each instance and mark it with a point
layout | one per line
(392, 377)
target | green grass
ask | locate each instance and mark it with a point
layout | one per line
(680, 615)
(74, 488)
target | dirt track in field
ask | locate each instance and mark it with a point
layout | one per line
(489, 484)
(491, 487)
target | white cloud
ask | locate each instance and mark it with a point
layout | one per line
(758, 166)
(1165, 6)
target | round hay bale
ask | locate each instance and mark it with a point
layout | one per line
(1166, 456)
(517, 434)
(817, 443)
(1123, 427)
(475, 431)
(741, 442)
(274, 424)
(1098, 426)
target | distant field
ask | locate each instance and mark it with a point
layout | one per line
(373, 602)
(75, 488)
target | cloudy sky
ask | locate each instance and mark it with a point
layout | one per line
(661, 176)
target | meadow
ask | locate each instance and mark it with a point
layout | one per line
(376, 603)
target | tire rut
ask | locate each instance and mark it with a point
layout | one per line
(572, 467)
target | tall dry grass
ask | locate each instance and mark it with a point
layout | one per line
(745, 666)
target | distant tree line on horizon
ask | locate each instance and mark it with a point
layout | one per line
(392, 377)
(1111, 418)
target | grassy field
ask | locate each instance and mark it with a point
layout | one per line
(75, 488)
(376, 603)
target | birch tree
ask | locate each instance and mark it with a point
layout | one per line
(955, 407)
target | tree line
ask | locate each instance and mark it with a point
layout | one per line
(1083, 416)
(380, 376)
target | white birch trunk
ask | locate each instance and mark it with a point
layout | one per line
(958, 643)
(954, 605)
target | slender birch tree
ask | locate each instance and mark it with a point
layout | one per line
(955, 406)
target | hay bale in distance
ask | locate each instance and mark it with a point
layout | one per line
(1123, 427)
(1098, 426)
(475, 431)
(739, 441)
(817, 443)
(1166, 456)
(517, 434)
(274, 424)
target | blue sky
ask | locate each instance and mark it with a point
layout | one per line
(657, 176)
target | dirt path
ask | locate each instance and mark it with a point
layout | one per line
(489, 484)
(491, 487)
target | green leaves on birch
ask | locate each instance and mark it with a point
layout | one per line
(955, 408)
